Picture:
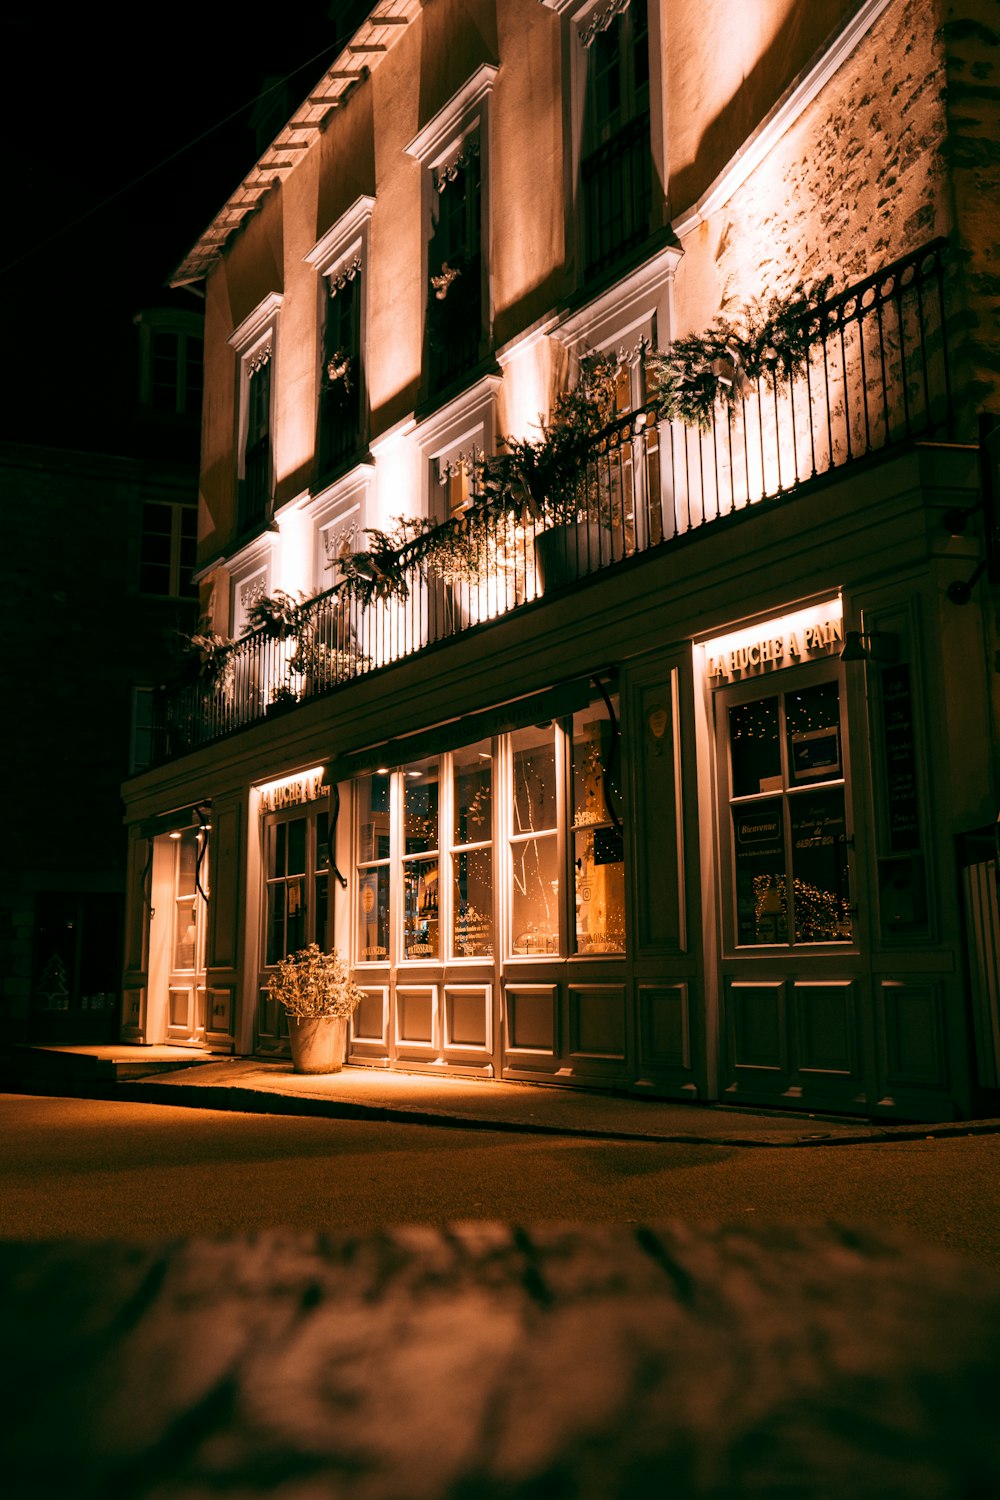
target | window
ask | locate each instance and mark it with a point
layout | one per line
(170, 347)
(373, 866)
(788, 817)
(430, 881)
(340, 257)
(616, 168)
(255, 342)
(175, 373)
(340, 378)
(297, 878)
(453, 147)
(455, 263)
(167, 549)
(142, 750)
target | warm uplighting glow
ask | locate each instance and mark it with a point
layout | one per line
(290, 791)
(782, 642)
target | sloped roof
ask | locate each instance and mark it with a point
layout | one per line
(373, 39)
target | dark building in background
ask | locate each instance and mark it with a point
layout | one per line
(100, 533)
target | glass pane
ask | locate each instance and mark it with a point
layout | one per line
(596, 765)
(321, 911)
(472, 904)
(534, 792)
(322, 840)
(812, 722)
(185, 934)
(820, 889)
(535, 896)
(297, 846)
(474, 794)
(276, 843)
(275, 922)
(421, 894)
(755, 747)
(373, 817)
(295, 928)
(761, 877)
(187, 861)
(420, 807)
(600, 891)
(373, 914)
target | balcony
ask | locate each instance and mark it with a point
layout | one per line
(874, 377)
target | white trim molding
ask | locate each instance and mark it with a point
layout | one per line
(780, 118)
(343, 238)
(456, 119)
(260, 321)
(637, 306)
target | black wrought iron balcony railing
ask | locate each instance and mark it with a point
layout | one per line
(875, 375)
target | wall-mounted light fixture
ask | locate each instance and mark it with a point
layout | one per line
(869, 645)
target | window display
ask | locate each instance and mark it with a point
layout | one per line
(598, 846)
(472, 857)
(788, 818)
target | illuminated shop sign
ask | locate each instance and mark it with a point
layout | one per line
(804, 636)
(293, 791)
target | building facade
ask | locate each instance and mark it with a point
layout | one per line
(673, 771)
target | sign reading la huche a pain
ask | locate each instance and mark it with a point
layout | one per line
(780, 643)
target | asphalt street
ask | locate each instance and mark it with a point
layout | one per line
(106, 1169)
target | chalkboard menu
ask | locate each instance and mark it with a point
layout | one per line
(900, 758)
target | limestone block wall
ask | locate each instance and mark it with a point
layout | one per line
(858, 180)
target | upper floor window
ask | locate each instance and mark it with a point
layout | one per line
(454, 148)
(616, 167)
(171, 362)
(167, 549)
(255, 342)
(340, 256)
(455, 264)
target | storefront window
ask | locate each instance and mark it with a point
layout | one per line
(186, 902)
(421, 866)
(554, 787)
(472, 853)
(297, 859)
(598, 849)
(534, 854)
(373, 868)
(789, 821)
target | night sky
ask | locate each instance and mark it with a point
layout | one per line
(97, 217)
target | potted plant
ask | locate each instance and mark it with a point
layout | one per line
(319, 998)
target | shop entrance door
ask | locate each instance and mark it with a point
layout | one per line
(792, 972)
(186, 977)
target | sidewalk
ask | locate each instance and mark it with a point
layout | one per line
(258, 1086)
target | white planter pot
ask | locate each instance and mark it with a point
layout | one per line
(318, 1043)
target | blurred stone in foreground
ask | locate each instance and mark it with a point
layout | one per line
(485, 1361)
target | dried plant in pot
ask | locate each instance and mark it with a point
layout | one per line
(319, 998)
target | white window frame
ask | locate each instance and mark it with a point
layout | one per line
(440, 141)
(249, 579)
(255, 340)
(578, 17)
(464, 428)
(336, 515)
(338, 253)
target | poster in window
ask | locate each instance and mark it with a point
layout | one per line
(761, 888)
(820, 889)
